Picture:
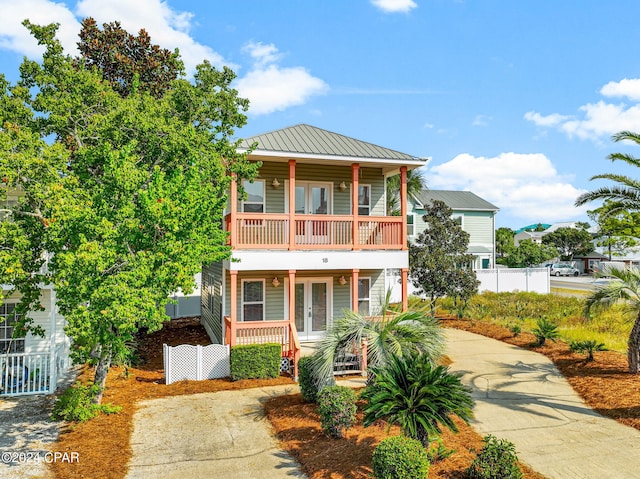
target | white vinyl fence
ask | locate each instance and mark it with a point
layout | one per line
(499, 280)
(22, 374)
(503, 280)
(196, 362)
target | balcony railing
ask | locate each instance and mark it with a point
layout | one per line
(259, 230)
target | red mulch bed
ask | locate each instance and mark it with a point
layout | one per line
(103, 443)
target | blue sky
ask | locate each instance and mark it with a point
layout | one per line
(515, 101)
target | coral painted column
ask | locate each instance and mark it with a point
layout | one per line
(233, 313)
(292, 204)
(405, 289)
(233, 210)
(403, 204)
(355, 230)
(354, 289)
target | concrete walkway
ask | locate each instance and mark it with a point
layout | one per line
(520, 396)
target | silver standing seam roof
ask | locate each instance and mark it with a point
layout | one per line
(456, 200)
(310, 140)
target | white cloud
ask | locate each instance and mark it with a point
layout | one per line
(549, 120)
(270, 87)
(525, 186)
(392, 6)
(629, 88)
(166, 27)
(600, 119)
(15, 37)
(481, 120)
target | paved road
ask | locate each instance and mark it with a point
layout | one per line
(520, 396)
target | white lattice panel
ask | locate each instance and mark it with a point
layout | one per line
(187, 362)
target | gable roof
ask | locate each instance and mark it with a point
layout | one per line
(456, 200)
(310, 140)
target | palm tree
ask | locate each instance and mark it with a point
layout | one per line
(626, 195)
(416, 182)
(418, 396)
(625, 289)
(386, 338)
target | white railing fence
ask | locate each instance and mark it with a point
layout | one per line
(196, 362)
(503, 280)
(22, 374)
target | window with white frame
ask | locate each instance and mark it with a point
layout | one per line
(364, 296)
(255, 202)
(411, 225)
(458, 220)
(253, 299)
(364, 200)
(8, 320)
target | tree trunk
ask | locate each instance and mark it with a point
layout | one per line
(633, 347)
(100, 378)
(423, 436)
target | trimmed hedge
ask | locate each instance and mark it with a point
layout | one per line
(496, 460)
(308, 387)
(255, 361)
(400, 457)
(337, 409)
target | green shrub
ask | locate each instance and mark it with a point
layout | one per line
(400, 457)
(496, 460)
(515, 329)
(588, 347)
(308, 387)
(337, 409)
(545, 329)
(255, 361)
(438, 451)
(74, 405)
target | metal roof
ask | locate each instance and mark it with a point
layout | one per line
(456, 200)
(310, 140)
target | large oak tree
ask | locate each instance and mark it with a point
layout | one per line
(128, 198)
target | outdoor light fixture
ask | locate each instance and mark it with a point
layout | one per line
(342, 186)
(275, 282)
(342, 280)
(275, 183)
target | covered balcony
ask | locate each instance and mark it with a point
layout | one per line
(314, 227)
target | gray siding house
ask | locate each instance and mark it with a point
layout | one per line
(475, 215)
(310, 239)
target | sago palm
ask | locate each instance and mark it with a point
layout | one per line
(385, 338)
(626, 195)
(418, 396)
(624, 288)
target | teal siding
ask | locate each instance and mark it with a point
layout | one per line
(479, 225)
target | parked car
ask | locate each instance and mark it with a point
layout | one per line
(561, 269)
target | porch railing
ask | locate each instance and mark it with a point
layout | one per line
(262, 332)
(266, 230)
(22, 374)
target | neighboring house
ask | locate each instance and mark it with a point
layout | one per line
(310, 239)
(475, 215)
(536, 236)
(32, 364)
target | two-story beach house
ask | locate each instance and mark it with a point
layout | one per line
(309, 240)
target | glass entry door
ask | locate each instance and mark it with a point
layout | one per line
(312, 306)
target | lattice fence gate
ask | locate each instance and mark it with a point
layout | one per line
(196, 362)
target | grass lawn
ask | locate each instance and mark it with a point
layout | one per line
(103, 443)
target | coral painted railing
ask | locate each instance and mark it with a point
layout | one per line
(260, 230)
(262, 332)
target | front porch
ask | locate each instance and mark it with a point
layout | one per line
(294, 308)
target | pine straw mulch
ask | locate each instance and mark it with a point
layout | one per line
(103, 442)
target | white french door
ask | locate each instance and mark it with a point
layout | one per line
(312, 307)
